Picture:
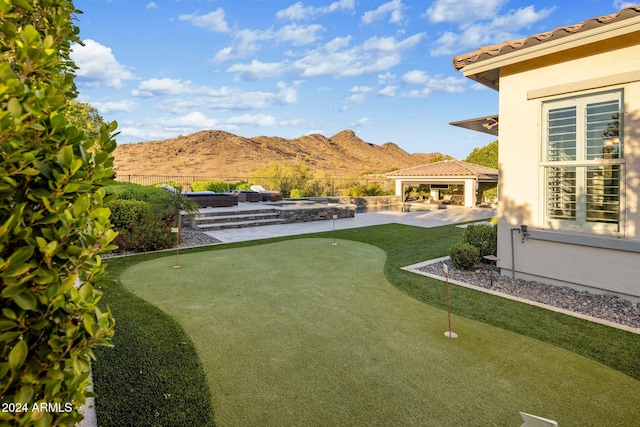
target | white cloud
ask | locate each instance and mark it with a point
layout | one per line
(359, 93)
(257, 70)
(386, 78)
(497, 30)
(361, 122)
(392, 8)
(415, 77)
(299, 12)
(288, 94)
(247, 41)
(463, 11)
(621, 4)
(114, 106)
(298, 34)
(252, 120)
(431, 84)
(389, 91)
(97, 65)
(223, 98)
(152, 5)
(212, 21)
(337, 59)
(164, 87)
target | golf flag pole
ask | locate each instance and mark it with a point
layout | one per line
(177, 231)
(449, 333)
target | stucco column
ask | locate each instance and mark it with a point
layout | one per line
(399, 189)
(470, 192)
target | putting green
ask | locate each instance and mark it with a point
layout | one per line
(303, 332)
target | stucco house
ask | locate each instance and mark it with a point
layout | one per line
(569, 130)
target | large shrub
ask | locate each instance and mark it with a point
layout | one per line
(146, 226)
(482, 236)
(126, 213)
(131, 191)
(464, 256)
(53, 222)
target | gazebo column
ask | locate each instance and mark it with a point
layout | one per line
(470, 193)
(399, 188)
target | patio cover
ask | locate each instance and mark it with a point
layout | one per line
(450, 172)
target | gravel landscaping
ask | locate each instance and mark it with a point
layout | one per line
(607, 307)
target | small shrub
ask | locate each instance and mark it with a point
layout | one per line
(240, 186)
(464, 256)
(296, 193)
(482, 236)
(153, 235)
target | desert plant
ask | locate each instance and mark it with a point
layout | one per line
(53, 221)
(464, 256)
(482, 236)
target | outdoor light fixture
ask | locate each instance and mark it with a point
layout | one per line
(525, 233)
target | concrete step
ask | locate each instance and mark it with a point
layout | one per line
(239, 224)
(220, 219)
(214, 214)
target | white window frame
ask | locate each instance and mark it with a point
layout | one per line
(581, 163)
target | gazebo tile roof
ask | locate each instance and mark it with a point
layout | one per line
(447, 168)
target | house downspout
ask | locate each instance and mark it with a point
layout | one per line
(525, 235)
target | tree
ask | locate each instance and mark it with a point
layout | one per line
(86, 118)
(53, 222)
(485, 156)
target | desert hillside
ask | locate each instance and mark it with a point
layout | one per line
(215, 153)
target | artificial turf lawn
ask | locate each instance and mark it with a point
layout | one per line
(301, 332)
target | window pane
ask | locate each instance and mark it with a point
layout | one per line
(602, 132)
(561, 193)
(603, 194)
(561, 134)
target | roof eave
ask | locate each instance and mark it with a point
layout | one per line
(487, 70)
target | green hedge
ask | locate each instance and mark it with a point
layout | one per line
(131, 191)
(219, 186)
(125, 213)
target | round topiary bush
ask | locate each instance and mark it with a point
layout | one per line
(464, 256)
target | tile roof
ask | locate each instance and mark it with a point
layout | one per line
(487, 52)
(448, 168)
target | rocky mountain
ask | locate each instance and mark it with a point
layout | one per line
(219, 154)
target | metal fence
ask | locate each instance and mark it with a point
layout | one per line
(327, 186)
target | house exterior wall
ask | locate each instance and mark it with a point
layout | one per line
(605, 262)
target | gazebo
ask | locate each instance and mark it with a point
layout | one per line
(442, 175)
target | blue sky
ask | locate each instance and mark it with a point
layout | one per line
(383, 69)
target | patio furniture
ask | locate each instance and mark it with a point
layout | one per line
(267, 195)
(209, 199)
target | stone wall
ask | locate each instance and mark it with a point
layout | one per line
(319, 213)
(367, 200)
